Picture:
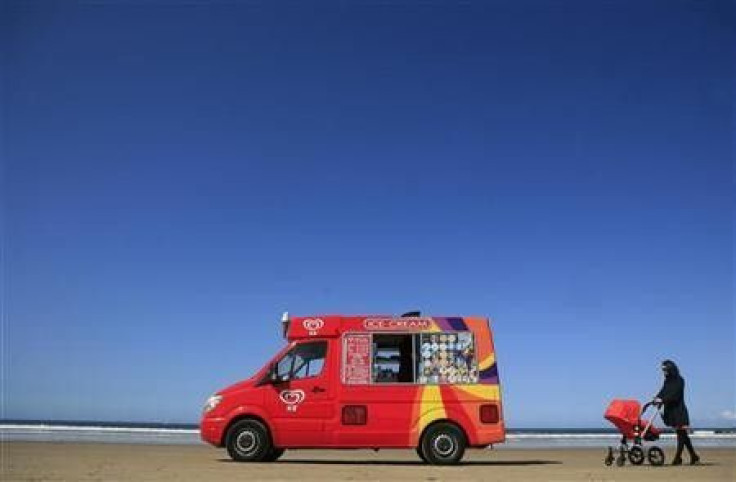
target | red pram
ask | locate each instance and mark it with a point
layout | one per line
(626, 415)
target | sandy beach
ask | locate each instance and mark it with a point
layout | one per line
(86, 462)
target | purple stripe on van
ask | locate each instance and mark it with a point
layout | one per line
(451, 324)
(489, 375)
(457, 324)
(443, 324)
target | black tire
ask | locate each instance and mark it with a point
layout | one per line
(248, 441)
(655, 455)
(636, 455)
(421, 455)
(620, 460)
(443, 444)
(274, 455)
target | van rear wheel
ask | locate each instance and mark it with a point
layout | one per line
(443, 444)
(421, 455)
(249, 441)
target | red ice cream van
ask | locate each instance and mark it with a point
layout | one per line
(428, 383)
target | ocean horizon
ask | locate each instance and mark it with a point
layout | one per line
(188, 434)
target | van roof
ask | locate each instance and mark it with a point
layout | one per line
(335, 325)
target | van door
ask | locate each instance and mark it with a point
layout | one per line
(301, 400)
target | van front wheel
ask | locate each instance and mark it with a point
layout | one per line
(274, 455)
(248, 441)
(443, 444)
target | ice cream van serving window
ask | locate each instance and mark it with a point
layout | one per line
(426, 358)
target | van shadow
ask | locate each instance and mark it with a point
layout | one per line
(417, 463)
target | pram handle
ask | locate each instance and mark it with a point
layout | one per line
(646, 425)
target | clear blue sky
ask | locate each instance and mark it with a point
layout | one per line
(174, 177)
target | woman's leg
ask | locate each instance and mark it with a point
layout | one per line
(683, 440)
(680, 445)
(686, 439)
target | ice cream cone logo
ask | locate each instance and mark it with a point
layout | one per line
(292, 399)
(313, 325)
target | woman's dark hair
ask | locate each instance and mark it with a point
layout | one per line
(670, 368)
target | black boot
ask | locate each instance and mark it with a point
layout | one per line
(694, 459)
(680, 445)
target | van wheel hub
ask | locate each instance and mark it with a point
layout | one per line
(246, 442)
(444, 445)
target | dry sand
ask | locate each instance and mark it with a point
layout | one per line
(82, 462)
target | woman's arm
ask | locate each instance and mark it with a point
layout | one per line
(671, 391)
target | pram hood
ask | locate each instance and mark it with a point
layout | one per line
(625, 415)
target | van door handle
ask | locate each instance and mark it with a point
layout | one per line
(318, 390)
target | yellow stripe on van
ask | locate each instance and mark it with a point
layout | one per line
(432, 407)
(434, 327)
(485, 392)
(488, 362)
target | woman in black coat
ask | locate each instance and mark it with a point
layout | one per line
(672, 397)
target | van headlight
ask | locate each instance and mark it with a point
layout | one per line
(212, 402)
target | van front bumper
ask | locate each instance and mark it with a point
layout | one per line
(211, 430)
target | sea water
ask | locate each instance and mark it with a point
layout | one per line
(129, 434)
(187, 434)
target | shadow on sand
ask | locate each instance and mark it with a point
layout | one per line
(418, 463)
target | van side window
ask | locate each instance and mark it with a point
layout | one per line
(283, 368)
(393, 359)
(446, 358)
(303, 361)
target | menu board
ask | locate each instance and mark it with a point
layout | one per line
(357, 365)
(447, 358)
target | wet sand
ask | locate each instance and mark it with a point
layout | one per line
(86, 462)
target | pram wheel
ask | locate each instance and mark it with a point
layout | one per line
(620, 460)
(655, 456)
(609, 458)
(636, 455)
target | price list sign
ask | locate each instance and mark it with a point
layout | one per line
(357, 366)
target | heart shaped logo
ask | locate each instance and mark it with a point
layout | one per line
(313, 325)
(292, 398)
